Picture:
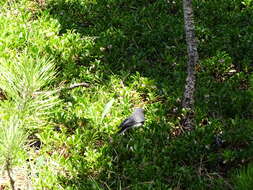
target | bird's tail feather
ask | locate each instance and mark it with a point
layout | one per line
(122, 130)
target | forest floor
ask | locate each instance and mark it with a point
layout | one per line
(133, 54)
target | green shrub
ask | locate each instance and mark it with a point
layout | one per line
(243, 178)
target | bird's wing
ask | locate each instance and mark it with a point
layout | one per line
(127, 122)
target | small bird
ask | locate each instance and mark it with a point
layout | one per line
(135, 120)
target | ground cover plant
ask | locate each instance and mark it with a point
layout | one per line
(129, 54)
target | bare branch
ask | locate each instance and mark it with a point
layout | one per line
(83, 84)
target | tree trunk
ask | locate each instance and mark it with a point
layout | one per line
(188, 99)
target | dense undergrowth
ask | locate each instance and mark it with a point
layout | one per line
(132, 54)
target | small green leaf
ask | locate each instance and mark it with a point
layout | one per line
(107, 108)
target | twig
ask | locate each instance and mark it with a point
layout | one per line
(83, 84)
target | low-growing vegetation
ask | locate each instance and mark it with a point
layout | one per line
(72, 70)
